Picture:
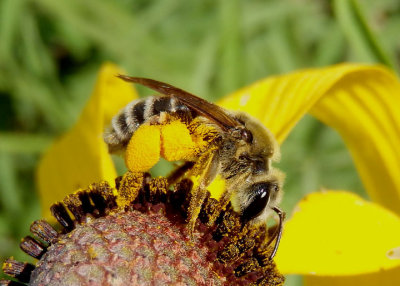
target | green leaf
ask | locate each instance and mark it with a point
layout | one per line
(231, 65)
(359, 34)
(10, 14)
(11, 202)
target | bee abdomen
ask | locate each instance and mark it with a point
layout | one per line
(137, 112)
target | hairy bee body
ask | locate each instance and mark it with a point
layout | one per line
(241, 155)
(138, 112)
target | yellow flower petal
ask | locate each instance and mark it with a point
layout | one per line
(361, 102)
(338, 233)
(383, 277)
(217, 187)
(80, 157)
(394, 253)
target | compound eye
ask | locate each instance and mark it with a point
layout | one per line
(246, 135)
(259, 200)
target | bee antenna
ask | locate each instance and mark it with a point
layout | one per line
(278, 232)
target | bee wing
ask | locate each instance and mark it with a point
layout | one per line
(205, 108)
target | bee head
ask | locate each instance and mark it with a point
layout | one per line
(257, 196)
(256, 147)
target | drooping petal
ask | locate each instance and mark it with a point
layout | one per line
(361, 102)
(335, 233)
(80, 156)
(383, 277)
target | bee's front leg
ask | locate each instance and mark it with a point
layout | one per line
(208, 173)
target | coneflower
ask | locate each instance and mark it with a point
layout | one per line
(135, 235)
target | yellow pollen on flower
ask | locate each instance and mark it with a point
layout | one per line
(6, 265)
(92, 252)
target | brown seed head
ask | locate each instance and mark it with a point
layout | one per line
(135, 235)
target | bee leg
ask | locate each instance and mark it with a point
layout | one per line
(222, 203)
(179, 172)
(199, 193)
(278, 232)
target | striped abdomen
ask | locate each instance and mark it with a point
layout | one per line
(137, 112)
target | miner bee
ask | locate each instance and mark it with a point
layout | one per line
(243, 155)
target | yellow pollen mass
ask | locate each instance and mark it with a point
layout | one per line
(143, 150)
(176, 142)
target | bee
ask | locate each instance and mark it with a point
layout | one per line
(242, 158)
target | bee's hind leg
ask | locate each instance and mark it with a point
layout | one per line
(199, 192)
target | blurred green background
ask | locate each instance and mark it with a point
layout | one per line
(50, 52)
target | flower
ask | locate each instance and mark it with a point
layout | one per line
(340, 238)
(135, 234)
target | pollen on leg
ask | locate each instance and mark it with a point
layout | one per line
(177, 143)
(203, 135)
(143, 150)
(129, 188)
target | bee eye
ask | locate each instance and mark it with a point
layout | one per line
(259, 200)
(246, 135)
